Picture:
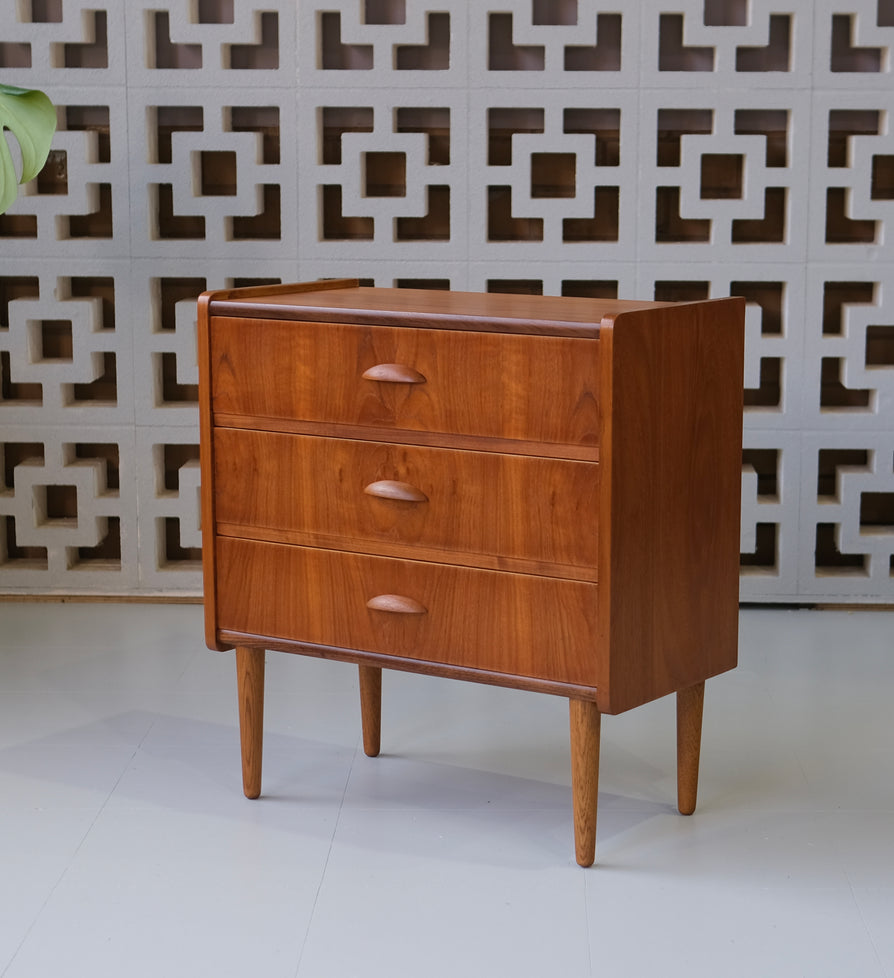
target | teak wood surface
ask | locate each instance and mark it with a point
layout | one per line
(670, 494)
(530, 491)
(533, 626)
(483, 509)
(343, 301)
(477, 384)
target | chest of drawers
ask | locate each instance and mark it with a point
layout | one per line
(535, 492)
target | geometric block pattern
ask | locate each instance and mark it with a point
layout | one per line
(68, 508)
(168, 466)
(848, 503)
(657, 150)
(385, 173)
(61, 348)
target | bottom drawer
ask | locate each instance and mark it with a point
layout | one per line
(516, 624)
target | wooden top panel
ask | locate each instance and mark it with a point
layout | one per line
(345, 301)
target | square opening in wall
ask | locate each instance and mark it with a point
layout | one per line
(385, 174)
(53, 178)
(554, 12)
(877, 512)
(515, 286)
(882, 178)
(46, 11)
(726, 13)
(56, 505)
(591, 288)
(55, 340)
(722, 176)
(215, 11)
(880, 346)
(553, 174)
(218, 169)
(384, 12)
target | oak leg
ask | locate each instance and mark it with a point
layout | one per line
(371, 708)
(585, 725)
(250, 682)
(690, 704)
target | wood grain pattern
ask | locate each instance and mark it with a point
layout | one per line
(420, 666)
(585, 734)
(690, 705)
(476, 311)
(669, 510)
(316, 490)
(371, 709)
(397, 436)
(265, 295)
(476, 384)
(250, 663)
(512, 623)
(450, 518)
(208, 495)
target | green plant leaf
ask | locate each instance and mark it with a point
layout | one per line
(31, 118)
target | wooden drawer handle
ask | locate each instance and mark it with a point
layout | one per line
(394, 373)
(398, 603)
(390, 489)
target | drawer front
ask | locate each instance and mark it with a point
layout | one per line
(515, 624)
(501, 511)
(509, 386)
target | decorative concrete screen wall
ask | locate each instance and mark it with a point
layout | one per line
(651, 150)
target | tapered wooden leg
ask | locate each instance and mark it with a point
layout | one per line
(690, 704)
(371, 708)
(250, 681)
(585, 725)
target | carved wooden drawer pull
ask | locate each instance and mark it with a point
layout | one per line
(390, 489)
(394, 373)
(398, 603)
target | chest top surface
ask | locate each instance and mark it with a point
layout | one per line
(346, 301)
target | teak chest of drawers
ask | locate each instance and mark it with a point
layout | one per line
(529, 491)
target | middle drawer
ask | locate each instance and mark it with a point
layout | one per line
(506, 512)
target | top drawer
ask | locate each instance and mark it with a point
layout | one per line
(491, 385)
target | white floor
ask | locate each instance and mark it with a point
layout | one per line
(127, 848)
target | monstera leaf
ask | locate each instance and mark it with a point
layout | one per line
(32, 120)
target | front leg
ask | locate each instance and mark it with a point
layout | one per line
(585, 729)
(250, 683)
(371, 708)
(690, 706)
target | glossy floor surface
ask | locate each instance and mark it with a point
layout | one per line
(127, 848)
